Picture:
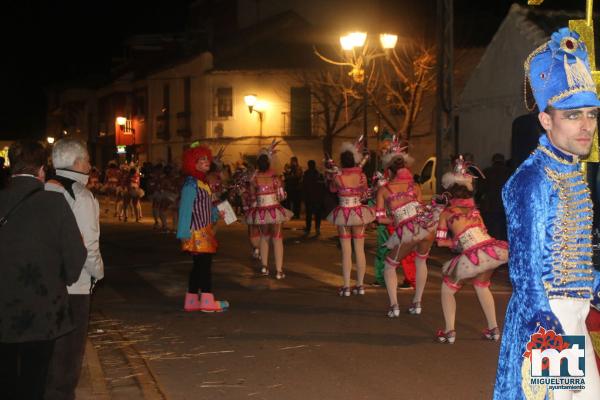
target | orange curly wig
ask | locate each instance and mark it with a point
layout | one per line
(190, 158)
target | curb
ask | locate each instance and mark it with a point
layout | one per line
(97, 380)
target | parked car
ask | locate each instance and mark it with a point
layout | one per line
(426, 179)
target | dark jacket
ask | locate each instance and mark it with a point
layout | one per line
(490, 189)
(41, 252)
(313, 187)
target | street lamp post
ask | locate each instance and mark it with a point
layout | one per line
(254, 105)
(358, 56)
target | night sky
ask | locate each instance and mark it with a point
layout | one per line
(48, 42)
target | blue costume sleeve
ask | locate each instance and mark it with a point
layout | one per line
(188, 194)
(526, 201)
(214, 215)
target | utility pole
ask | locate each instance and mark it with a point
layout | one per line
(445, 142)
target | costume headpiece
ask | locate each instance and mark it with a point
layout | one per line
(190, 159)
(393, 151)
(218, 158)
(357, 150)
(559, 73)
(461, 174)
(270, 151)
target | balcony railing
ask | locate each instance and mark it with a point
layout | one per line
(162, 127)
(184, 126)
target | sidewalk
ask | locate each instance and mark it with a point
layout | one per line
(92, 384)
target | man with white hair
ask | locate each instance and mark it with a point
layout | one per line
(72, 163)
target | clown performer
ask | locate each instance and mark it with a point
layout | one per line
(197, 216)
(266, 191)
(549, 215)
(351, 216)
(414, 225)
(480, 253)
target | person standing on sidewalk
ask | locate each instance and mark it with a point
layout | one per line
(196, 218)
(550, 214)
(72, 163)
(42, 252)
(313, 190)
(292, 176)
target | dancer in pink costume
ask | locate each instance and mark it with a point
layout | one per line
(480, 253)
(351, 216)
(399, 202)
(266, 191)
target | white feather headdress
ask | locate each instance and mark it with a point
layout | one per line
(395, 150)
(461, 174)
(269, 151)
(356, 148)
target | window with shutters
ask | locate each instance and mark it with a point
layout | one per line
(223, 103)
(300, 111)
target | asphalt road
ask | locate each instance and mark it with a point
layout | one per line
(290, 339)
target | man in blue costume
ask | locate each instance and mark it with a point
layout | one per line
(549, 213)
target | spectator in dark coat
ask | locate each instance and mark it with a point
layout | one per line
(313, 190)
(42, 252)
(4, 175)
(292, 174)
(490, 194)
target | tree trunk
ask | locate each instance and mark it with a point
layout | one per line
(328, 144)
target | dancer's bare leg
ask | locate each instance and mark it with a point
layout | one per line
(423, 248)
(345, 241)
(265, 236)
(358, 237)
(277, 238)
(482, 287)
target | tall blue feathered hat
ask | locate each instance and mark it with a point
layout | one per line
(559, 73)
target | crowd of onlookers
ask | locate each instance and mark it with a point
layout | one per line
(51, 261)
(127, 184)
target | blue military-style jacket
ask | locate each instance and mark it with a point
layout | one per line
(549, 213)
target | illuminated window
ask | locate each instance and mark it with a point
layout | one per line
(224, 102)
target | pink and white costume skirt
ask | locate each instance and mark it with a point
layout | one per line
(267, 211)
(414, 222)
(350, 212)
(481, 253)
(136, 192)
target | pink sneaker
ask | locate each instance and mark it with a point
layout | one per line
(191, 302)
(209, 304)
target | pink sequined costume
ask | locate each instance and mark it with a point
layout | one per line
(267, 208)
(413, 222)
(350, 211)
(479, 251)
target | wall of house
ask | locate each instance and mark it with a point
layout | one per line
(493, 96)
(174, 77)
(272, 88)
